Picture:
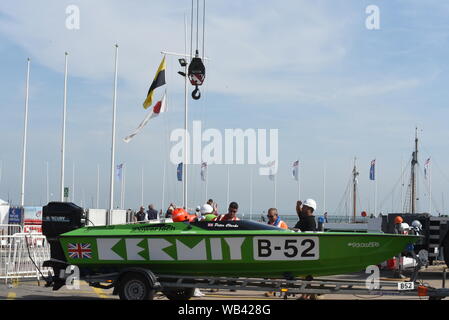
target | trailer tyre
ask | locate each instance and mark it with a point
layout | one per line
(135, 286)
(179, 294)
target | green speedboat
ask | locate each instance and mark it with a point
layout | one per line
(231, 249)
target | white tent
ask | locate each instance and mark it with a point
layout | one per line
(4, 212)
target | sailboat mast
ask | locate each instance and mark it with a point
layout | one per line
(354, 192)
(413, 172)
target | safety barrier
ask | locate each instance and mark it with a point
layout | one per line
(15, 253)
(10, 229)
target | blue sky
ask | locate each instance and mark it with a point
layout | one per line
(334, 89)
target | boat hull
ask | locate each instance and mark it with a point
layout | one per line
(252, 253)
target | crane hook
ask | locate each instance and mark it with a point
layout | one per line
(196, 94)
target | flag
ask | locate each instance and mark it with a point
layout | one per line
(426, 167)
(158, 108)
(272, 168)
(159, 80)
(296, 170)
(203, 171)
(119, 171)
(179, 171)
(372, 170)
(79, 250)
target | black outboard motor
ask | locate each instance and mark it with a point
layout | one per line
(59, 218)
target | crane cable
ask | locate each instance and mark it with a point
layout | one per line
(204, 23)
(197, 71)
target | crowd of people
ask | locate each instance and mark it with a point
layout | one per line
(209, 212)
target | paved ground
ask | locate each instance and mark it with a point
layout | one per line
(30, 290)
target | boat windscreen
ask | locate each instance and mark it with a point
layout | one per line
(233, 225)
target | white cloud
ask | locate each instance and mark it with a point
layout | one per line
(251, 52)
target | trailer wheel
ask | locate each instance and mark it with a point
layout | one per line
(179, 294)
(135, 286)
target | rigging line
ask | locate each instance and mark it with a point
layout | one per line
(437, 165)
(197, 19)
(359, 203)
(204, 23)
(434, 203)
(344, 196)
(185, 35)
(191, 33)
(395, 185)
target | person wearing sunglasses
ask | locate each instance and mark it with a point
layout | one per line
(275, 220)
(231, 215)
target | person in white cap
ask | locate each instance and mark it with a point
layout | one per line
(206, 211)
(305, 214)
(306, 223)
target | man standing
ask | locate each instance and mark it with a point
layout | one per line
(398, 229)
(305, 214)
(140, 215)
(152, 213)
(275, 220)
(231, 215)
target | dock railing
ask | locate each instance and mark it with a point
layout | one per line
(20, 253)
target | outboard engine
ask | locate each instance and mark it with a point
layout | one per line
(59, 218)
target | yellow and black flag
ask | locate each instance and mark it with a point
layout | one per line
(159, 80)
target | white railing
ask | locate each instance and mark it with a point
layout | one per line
(15, 253)
(10, 229)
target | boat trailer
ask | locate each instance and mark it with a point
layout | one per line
(128, 283)
(182, 287)
(300, 286)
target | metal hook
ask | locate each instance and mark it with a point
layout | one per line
(196, 94)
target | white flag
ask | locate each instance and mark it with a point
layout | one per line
(119, 171)
(272, 168)
(158, 108)
(296, 170)
(426, 167)
(204, 171)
